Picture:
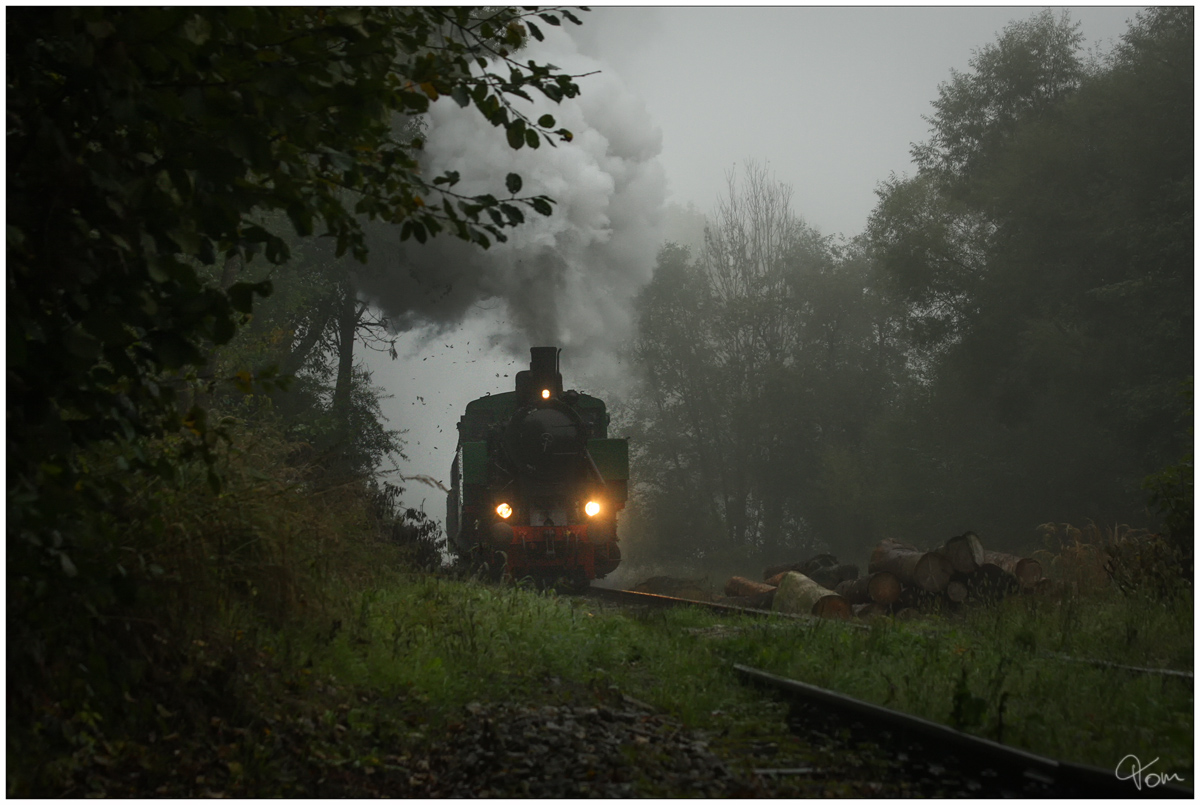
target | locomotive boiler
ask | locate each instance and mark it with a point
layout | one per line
(536, 484)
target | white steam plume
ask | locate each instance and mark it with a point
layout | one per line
(567, 279)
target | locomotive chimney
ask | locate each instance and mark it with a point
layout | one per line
(543, 360)
(543, 376)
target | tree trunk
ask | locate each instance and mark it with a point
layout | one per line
(880, 588)
(964, 552)
(347, 322)
(914, 568)
(1026, 571)
(799, 594)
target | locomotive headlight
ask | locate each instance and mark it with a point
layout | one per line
(504, 510)
(591, 508)
(545, 394)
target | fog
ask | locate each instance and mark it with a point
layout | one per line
(829, 99)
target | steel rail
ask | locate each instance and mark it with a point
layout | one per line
(656, 600)
(1076, 777)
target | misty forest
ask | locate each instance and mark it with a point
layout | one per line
(216, 583)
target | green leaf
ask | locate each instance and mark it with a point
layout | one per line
(546, 121)
(513, 183)
(531, 138)
(174, 351)
(197, 29)
(223, 330)
(68, 567)
(515, 216)
(80, 344)
(516, 133)
(241, 297)
(542, 205)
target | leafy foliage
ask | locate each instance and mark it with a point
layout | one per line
(157, 157)
(1001, 347)
(757, 358)
(145, 143)
(1051, 325)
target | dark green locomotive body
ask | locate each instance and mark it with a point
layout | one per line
(536, 483)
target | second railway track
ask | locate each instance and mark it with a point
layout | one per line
(942, 761)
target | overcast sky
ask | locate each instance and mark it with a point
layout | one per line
(830, 99)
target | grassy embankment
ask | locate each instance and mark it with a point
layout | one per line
(277, 640)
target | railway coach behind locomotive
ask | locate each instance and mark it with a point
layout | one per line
(536, 483)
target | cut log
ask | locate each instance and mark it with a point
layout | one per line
(831, 577)
(867, 611)
(778, 570)
(916, 598)
(740, 586)
(880, 588)
(818, 562)
(991, 583)
(1027, 571)
(1046, 587)
(847, 572)
(826, 577)
(774, 580)
(928, 570)
(799, 594)
(956, 591)
(964, 552)
(762, 601)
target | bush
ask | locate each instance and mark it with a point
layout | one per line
(173, 591)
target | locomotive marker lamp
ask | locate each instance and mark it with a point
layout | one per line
(591, 508)
(545, 394)
(504, 510)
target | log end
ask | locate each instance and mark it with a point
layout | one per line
(832, 606)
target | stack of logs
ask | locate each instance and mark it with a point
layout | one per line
(901, 580)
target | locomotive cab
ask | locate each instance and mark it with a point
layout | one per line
(536, 484)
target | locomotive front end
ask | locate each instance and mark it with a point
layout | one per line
(546, 498)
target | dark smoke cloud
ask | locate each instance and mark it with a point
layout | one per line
(567, 279)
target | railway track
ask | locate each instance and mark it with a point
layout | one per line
(631, 598)
(984, 768)
(949, 762)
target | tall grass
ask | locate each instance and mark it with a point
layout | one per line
(999, 673)
(292, 605)
(461, 641)
(173, 591)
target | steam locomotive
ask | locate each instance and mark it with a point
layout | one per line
(536, 484)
